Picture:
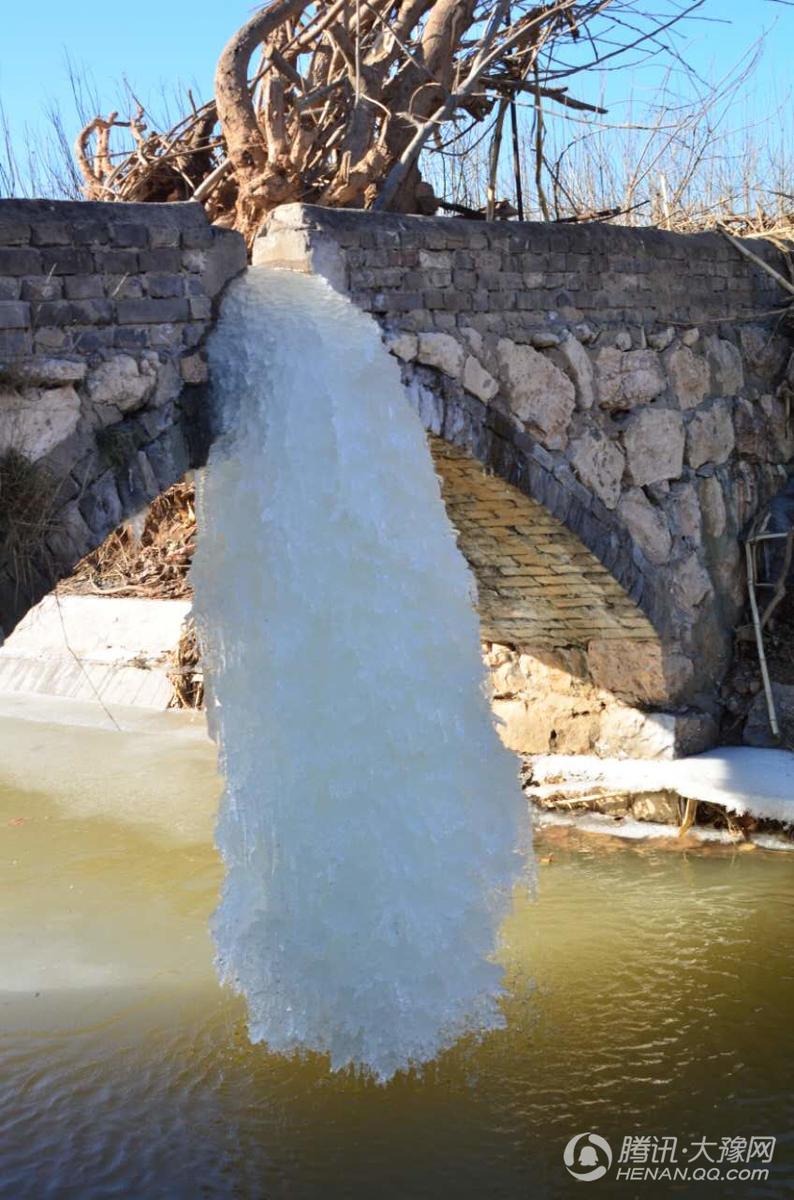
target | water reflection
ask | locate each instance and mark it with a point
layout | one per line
(650, 992)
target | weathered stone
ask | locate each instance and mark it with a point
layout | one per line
(474, 341)
(22, 261)
(572, 358)
(684, 507)
(225, 257)
(659, 807)
(646, 524)
(50, 339)
(560, 671)
(101, 506)
(517, 727)
(779, 426)
(690, 583)
(709, 435)
(586, 333)
(152, 312)
(765, 354)
(728, 572)
(35, 421)
(538, 393)
(507, 679)
(623, 340)
(14, 289)
(712, 505)
(167, 379)
(694, 733)
(14, 314)
(435, 260)
(544, 339)
(81, 287)
(662, 339)
(192, 260)
(193, 369)
(599, 463)
(654, 441)
(627, 379)
(478, 381)
(689, 376)
(690, 337)
(43, 371)
(628, 733)
(496, 655)
(552, 727)
(749, 430)
(119, 382)
(199, 307)
(442, 351)
(643, 672)
(757, 730)
(403, 345)
(726, 366)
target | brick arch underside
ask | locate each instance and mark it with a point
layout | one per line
(538, 584)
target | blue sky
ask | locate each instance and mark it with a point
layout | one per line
(156, 43)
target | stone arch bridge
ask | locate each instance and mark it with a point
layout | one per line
(607, 409)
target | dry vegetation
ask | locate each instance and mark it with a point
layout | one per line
(352, 102)
(154, 564)
(27, 504)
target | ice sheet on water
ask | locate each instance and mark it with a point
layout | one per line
(372, 823)
(739, 778)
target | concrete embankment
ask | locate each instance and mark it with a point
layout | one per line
(95, 649)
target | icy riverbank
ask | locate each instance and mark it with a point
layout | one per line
(740, 779)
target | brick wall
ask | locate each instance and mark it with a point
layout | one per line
(103, 312)
(442, 274)
(607, 407)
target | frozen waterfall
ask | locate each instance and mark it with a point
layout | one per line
(372, 825)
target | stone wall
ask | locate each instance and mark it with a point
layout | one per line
(608, 408)
(103, 312)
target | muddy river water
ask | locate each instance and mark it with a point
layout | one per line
(649, 1002)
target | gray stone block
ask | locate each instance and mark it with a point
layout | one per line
(200, 308)
(152, 312)
(13, 231)
(100, 506)
(14, 314)
(73, 312)
(89, 341)
(65, 260)
(82, 287)
(116, 262)
(162, 285)
(134, 236)
(51, 233)
(165, 259)
(125, 287)
(132, 337)
(42, 287)
(197, 237)
(20, 261)
(86, 230)
(164, 234)
(15, 342)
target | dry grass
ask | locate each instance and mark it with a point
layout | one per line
(154, 565)
(27, 516)
(186, 675)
